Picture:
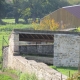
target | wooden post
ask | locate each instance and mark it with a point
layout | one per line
(61, 76)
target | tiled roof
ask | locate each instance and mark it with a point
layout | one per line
(75, 10)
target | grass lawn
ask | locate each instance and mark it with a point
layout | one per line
(66, 70)
(11, 20)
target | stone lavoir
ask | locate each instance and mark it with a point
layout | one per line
(65, 51)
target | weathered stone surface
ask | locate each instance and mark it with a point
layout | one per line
(40, 69)
(47, 60)
(5, 57)
(66, 50)
(66, 53)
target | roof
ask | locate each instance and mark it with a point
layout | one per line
(38, 35)
(43, 32)
(34, 35)
(75, 10)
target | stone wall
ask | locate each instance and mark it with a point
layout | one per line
(5, 56)
(37, 49)
(13, 47)
(66, 50)
(41, 70)
(66, 53)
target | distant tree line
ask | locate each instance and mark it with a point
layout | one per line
(29, 8)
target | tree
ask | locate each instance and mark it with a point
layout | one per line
(46, 24)
(63, 3)
(33, 9)
(9, 10)
(2, 9)
(16, 10)
(26, 14)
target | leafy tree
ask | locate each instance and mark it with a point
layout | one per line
(34, 8)
(2, 9)
(64, 3)
(46, 24)
(73, 2)
(9, 10)
(26, 14)
(16, 10)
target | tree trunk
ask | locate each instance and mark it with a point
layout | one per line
(1, 22)
(33, 17)
(16, 20)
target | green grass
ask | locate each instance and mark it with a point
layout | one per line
(11, 20)
(22, 76)
(66, 70)
(10, 27)
(5, 77)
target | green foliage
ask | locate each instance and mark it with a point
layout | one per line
(26, 14)
(5, 77)
(33, 8)
(73, 2)
(26, 76)
(9, 27)
(22, 76)
(2, 8)
(77, 30)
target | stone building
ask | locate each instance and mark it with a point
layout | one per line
(64, 47)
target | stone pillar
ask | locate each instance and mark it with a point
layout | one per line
(14, 43)
(13, 47)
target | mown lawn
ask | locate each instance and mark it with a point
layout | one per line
(68, 71)
(11, 20)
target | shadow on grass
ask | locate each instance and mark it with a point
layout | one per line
(61, 67)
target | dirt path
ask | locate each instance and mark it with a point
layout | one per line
(15, 77)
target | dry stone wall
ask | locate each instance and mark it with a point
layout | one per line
(41, 70)
(66, 50)
(13, 47)
(5, 56)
